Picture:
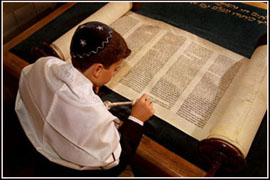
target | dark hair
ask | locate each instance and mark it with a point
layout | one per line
(115, 50)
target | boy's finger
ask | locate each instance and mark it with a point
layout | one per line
(143, 96)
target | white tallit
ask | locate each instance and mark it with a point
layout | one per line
(64, 119)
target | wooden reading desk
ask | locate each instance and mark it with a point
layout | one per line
(151, 159)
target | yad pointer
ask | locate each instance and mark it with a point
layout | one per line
(109, 104)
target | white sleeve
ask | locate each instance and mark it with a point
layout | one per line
(135, 120)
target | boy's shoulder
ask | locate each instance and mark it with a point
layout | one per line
(49, 59)
(61, 78)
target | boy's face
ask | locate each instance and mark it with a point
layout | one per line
(99, 75)
(107, 74)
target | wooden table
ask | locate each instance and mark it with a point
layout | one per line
(152, 158)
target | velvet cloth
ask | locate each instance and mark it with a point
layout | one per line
(157, 129)
(235, 26)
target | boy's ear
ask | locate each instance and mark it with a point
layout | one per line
(97, 69)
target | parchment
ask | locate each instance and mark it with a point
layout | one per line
(197, 86)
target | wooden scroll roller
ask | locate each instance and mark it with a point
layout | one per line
(42, 50)
(222, 156)
(136, 6)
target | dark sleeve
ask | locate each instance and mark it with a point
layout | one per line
(131, 134)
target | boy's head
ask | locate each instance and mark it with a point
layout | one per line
(96, 47)
(95, 42)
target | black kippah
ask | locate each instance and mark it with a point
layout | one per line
(89, 39)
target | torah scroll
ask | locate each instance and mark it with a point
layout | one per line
(197, 86)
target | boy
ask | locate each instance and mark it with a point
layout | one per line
(59, 99)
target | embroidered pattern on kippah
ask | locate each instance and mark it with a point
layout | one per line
(100, 28)
(83, 42)
(97, 49)
(81, 26)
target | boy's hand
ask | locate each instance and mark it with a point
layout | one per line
(143, 108)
